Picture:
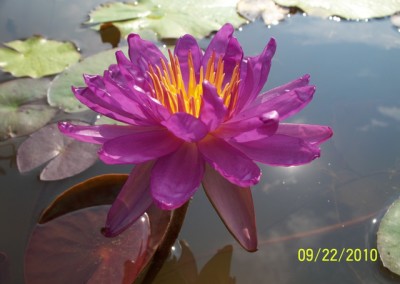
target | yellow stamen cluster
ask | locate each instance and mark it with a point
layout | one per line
(171, 91)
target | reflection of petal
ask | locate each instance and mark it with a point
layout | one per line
(234, 205)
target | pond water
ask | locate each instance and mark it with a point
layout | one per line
(333, 203)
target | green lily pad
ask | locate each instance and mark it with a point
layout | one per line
(388, 238)
(168, 18)
(23, 108)
(60, 94)
(267, 9)
(352, 10)
(37, 57)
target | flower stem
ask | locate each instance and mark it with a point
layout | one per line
(163, 250)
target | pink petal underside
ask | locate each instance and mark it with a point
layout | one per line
(144, 53)
(213, 110)
(87, 97)
(286, 101)
(313, 134)
(257, 71)
(183, 46)
(250, 129)
(176, 177)
(279, 150)
(234, 205)
(132, 201)
(98, 134)
(233, 56)
(186, 127)
(229, 162)
(139, 147)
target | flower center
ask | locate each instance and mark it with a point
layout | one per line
(170, 88)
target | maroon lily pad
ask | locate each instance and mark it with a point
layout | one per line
(67, 156)
(99, 190)
(72, 249)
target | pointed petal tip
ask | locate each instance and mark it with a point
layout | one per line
(108, 233)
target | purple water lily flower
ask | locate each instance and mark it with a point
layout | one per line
(195, 118)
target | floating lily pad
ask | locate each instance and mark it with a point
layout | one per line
(168, 18)
(71, 249)
(388, 238)
(267, 9)
(37, 57)
(101, 190)
(356, 9)
(67, 156)
(60, 94)
(23, 108)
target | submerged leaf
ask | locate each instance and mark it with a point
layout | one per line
(37, 57)
(71, 249)
(67, 156)
(23, 108)
(388, 238)
(352, 10)
(270, 12)
(168, 18)
(60, 94)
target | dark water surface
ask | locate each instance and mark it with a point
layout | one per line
(334, 203)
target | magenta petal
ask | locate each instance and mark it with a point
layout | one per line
(252, 128)
(176, 177)
(144, 53)
(132, 201)
(286, 103)
(269, 126)
(98, 134)
(184, 45)
(139, 147)
(279, 150)
(87, 97)
(313, 134)
(225, 46)
(235, 207)
(257, 71)
(212, 110)
(186, 127)
(229, 162)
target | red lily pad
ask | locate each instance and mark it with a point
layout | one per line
(71, 249)
(67, 156)
(71, 235)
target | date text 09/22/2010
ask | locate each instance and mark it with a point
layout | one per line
(337, 255)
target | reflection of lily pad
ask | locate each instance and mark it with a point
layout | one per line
(267, 9)
(71, 249)
(355, 9)
(37, 57)
(67, 156)
(168, 18)
(60, 94)
(184, 269)
(388, 238)
(23, 109)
